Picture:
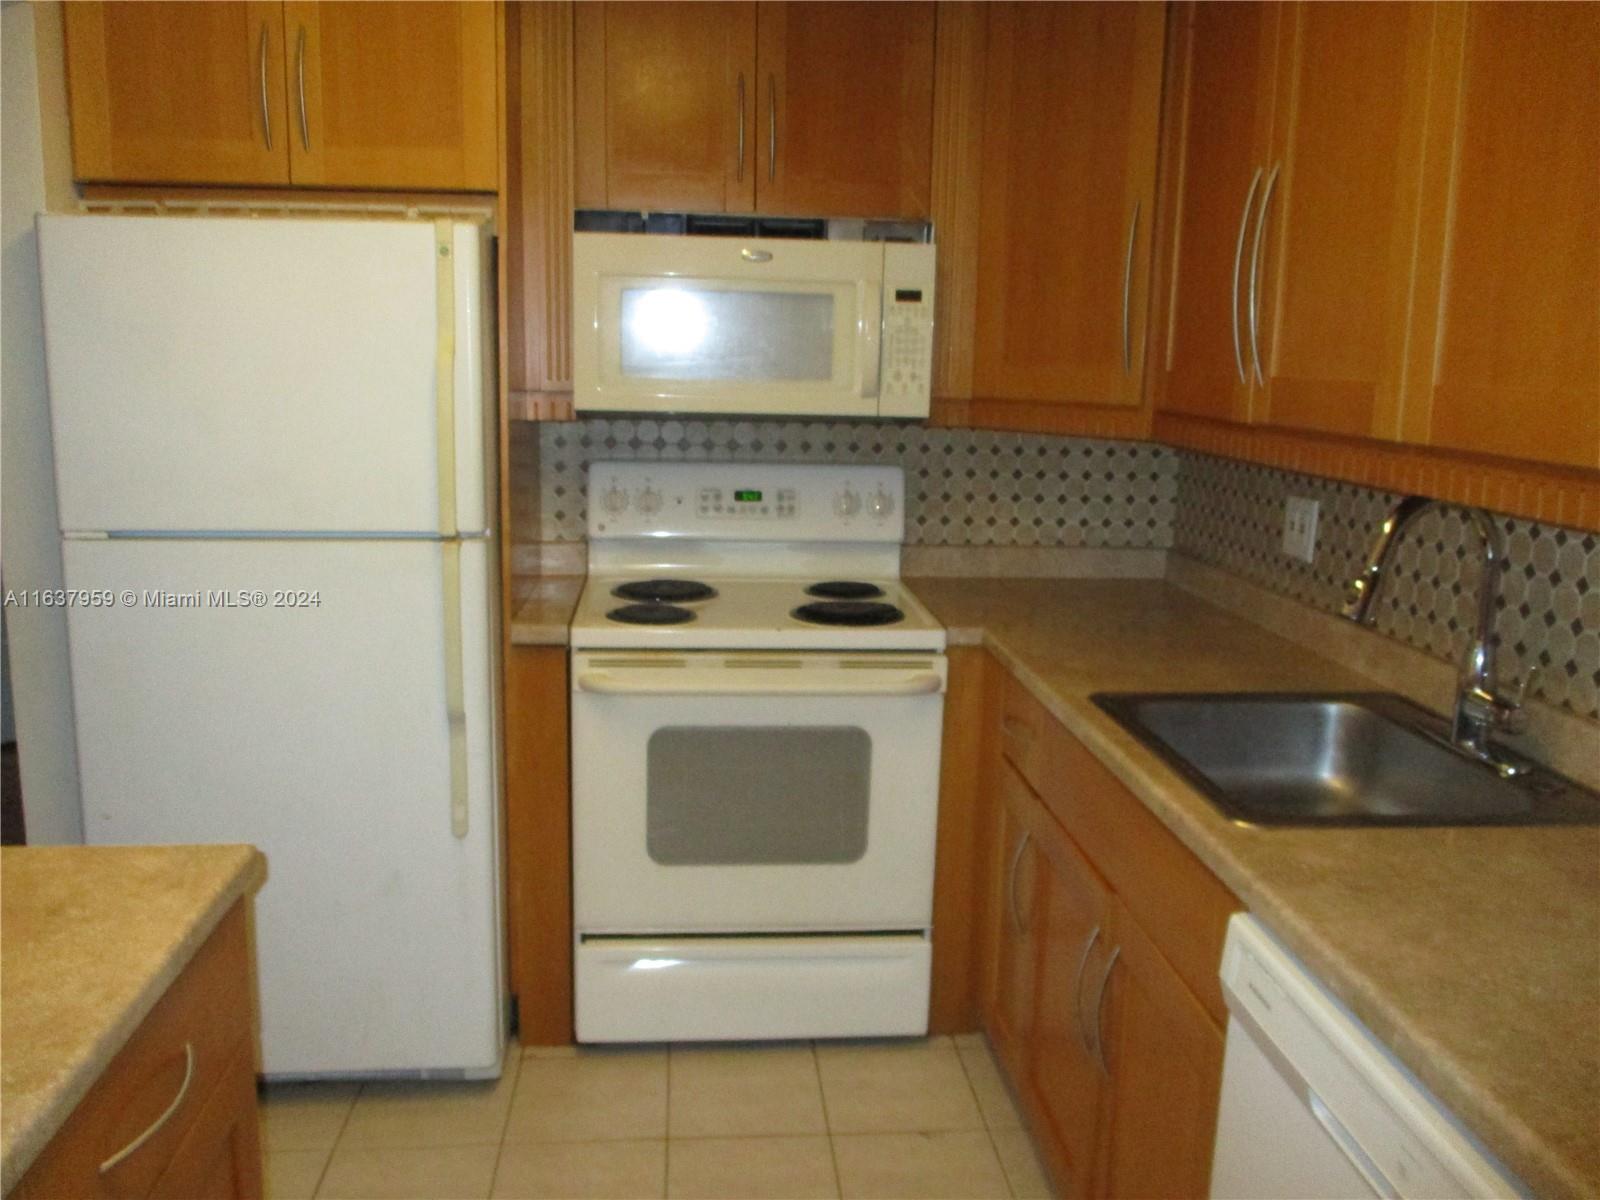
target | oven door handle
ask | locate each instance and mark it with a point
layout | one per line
(603, 683)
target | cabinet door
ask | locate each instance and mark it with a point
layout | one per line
(392, 95)
(1225, 71)
(177, 92)
(1064, 1059)
(1337, 220)
(665, 97)
(1164, 1055)
(1010, 993)
(1505, 355)
(845, 112)
(1067, 200)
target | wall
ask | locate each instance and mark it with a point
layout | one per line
(970, 488)
(29, 542)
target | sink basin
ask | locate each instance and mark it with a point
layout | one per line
(1346, 759)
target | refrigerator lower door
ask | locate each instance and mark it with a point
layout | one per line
(312, 725)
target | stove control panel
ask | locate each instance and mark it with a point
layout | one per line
(747, 502)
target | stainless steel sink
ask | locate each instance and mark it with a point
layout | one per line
(1347, 759)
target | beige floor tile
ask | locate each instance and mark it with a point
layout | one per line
(597, 1094)
(1021, 1164)
(896, 1088)
(744, 1091)
(994, 1098)
(581, 1170)
(432, 1113)
(304, 1116)
(919, 1166)
(294, 1174)
(756, 1168)
(417, 1173)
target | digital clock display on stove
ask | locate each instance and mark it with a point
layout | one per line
(747, 496)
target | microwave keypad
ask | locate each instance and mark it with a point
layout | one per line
(909, 351)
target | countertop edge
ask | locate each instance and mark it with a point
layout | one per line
(1148, 778)
(30, 1140)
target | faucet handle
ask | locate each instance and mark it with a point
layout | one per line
(1510, 715)
(1521, 691)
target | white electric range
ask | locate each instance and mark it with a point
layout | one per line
(757, 707)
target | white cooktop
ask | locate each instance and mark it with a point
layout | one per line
(750, 614)
(759, 533)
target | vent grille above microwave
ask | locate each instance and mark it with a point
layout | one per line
(830, 229)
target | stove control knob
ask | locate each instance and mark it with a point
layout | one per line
(615, 501)
(847, 503)
(881, 505)
(649, 501)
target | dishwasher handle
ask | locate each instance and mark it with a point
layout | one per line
(717, 683)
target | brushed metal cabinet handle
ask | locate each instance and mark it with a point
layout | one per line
(155, 1126)
(739, 173)
(1099, 1013)
(772, 127)
(1255, 277)
(1011, 882)
(1077, 989)
(266, 113)
(1127, 291)
(300, 72)
(1238, 258)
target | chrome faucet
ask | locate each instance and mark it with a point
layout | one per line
(1481, 709)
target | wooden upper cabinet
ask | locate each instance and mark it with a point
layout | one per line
(361, 95)
(845, 117)
(392, 94)
(1222, 74)
(666, 106)
(1336, 221)
(1505, 355)
(1067, 201)
(800, 109)
(177, 92)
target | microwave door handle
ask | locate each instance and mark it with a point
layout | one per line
(871, 341)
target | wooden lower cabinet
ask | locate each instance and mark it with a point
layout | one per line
(174, 1114)
(1116, 1059)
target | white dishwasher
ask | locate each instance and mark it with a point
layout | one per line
(1313, 1106)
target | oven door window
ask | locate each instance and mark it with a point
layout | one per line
(727, 795)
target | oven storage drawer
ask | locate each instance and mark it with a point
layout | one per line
(690, 989)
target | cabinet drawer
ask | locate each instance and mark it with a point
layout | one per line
(175, 1060)
(1025, 727)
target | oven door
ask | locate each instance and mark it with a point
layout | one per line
(757, 792)
(713, 324)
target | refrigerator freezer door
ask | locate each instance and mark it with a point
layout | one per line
(317, 732)
(227, 375)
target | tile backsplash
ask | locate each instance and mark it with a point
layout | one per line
(981, 488)
(963, 487)
(1230, 514)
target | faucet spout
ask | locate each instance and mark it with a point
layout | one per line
(1480, 709)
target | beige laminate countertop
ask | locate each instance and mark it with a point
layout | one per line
(545, 610)
(1474, 953)
(90, 939)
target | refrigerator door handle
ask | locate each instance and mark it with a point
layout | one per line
(450, 549)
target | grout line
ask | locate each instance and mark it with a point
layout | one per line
(327, 1163)
(505, 1124)
(827, 1123)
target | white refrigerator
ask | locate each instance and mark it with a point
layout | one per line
(275, 467)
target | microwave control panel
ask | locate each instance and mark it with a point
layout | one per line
(906, 365)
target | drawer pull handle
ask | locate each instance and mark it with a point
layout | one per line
(155, 1126)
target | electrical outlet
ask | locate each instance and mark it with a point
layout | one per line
(1300, 528)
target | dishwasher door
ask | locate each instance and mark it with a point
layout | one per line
(1313, 1106)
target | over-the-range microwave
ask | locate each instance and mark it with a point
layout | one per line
(800, 327)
